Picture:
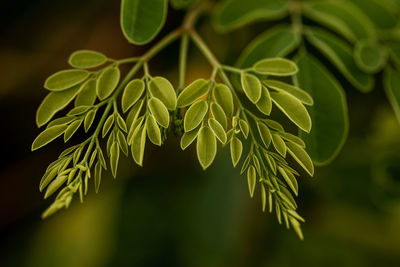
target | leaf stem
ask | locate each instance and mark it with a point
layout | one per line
(183, 60)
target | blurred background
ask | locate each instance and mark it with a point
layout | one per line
(171, 213)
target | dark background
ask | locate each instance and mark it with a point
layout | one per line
(171, 213)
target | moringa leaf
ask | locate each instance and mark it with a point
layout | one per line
(72, 128)
(192, 92)
(86, 59)
(107, 82)
(108, 124)
(251, 86)
(342, 17)
(264, 104)
(188, 138)
(217, 129)
(65, 79)
(54, 102)
(341, 56)
(279, 144)
(289, 179)
(132, 92)
(276, 42)
(219, 114)
(274, 125)
(97, 176)
(292, 138)
(114, 158)
(244, 128)
(298, 93)
(162, 89)
(55, 185)
(48, 135)
(138, 145)
(293, 109)
(121, 122)
(265, 133)
(195, 115)
(329, 112)
(141, 20)
(369, 57)
(122, 143)
(236, 150)
(87, 94)
(223, 96)
(206, 147)
(159, 111)
(301, 156)
(134, 114)
(275, 67)
(392, 89)
(76, 111)
(263, 197)
(251, 179)
(233, 14)
(62, 120)
(153, 131)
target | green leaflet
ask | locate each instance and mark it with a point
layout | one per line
(265, 103)
(122, 143)
(76, 111)
(86, 59)
(114, 158)
(244, 128)
(293, 109)
(289, 179)
(369, 57)
(292, 138)
(72, 128)
(265, 133)
(108, 124)
(341, 55)
(48, 135)
(188, 138)
(87, 94)
(107, 82)
(65, 79)
(342, 17)
(134, 114)
(217, 129)
(54, 102)
(233, 14)
(251, 179)
(192, 92)
(329, 112)
(301, 156)
(275, 66)
(236, 150)
(298, 93)
(276, 42)
(141, 20)
(132, 92)
(182, 4)
(279, 144)
(392, 89)
(251, 86)
(274, 125)
(59, 121)
(379, 12)
(263, 197)
(195, 115)
(89, 118)
(159, 111)
(206, 147)
(223, 96)
(219, 114)
(162, 89)
(97, 176)
(55, 185)
(153, 131)
(138, 145)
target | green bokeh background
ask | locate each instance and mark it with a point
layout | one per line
(171, 213)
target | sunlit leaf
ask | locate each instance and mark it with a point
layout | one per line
(251, 86)
(236, 150)
(114, 158)
(48, 135)
(132, 92)
(107, 82)
(65, 79)
(279, 144)
(206, 147)
(300, 94)
(265, 133)
(251, 179)
(162, 89)
(86, 59)
(223, 96)
(188, 138)
(72, 128)
(217, 129)
(87, 94)
(153, 131)
(301, 156)
(195, 115)
(219, 114)
(138, 145)
(192, 92)
(264, 104)
(159, 111)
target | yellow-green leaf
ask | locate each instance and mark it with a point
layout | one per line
(86, 59)
(301, 95)
(192, 92)
(251, 179)
(279, 144)
(48, 135)
(107, 82)
(224, 98)
(138, 145)
(251, 86)
(236, 150)
(265, 103)
(217, 129)
(188, 138)
(162, 89)
(276, 67)
(265, 133)
(65, 79)
(206, 147)
(159, 111)
(219, 114)
(153, 131)
(195, 115)
(132, 92)
(301, 156)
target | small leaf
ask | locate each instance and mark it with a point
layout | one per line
(55, 185)
(72, 128)
(114, 158)
(153, 132)
(276, 67)
(195, 115)
(392, 89)
(107, 82)
(292, 138)
(48, 135)
(274, 125)
(369, 57)
(138, 145)
(219, 114)
(134, 114)
(65, 79)
(263, 197)
(86, 59)
(244, 127)
(108, 124)
(60, 121)
(251, 180)
(251, 86)
(159, 111)
(265, 103)
(141, 20)
(279, 144)
(301, 95)
(217, 129)
(122, 143)
(206, 147)
(132, 92)
(192, 92)
(76, 111)
(296, 226)
(188, 138)
(265, 133)
(236, 150)
(301, 156)
(87, 94)
(54, 102)
(121, 123)
(224, 98)
(293, 109)
(290, 180)
(97, 176)
(162, 89)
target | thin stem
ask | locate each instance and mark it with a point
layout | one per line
(232, 69)
(127, 60)
(183, 60)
